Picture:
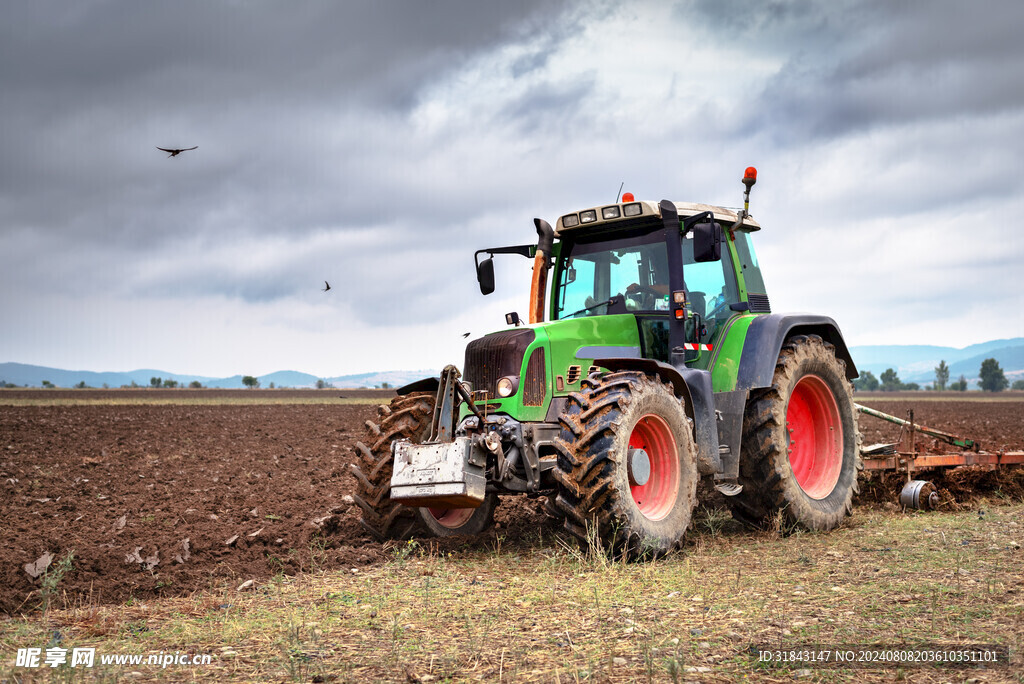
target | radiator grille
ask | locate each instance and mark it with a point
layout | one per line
(495, 356)
(534, 384)
(759, 303)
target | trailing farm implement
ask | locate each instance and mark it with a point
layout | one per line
(910, 455)
(650, 359)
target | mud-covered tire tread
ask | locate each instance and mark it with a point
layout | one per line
(407, 417)
(588, 491)
(765, 473)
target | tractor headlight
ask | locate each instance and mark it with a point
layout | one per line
(507, 386)
(588, 216)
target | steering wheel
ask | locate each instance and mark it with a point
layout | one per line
(638, 292)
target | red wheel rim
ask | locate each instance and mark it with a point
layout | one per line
(658, 495)
(452, 518)
(814, 437)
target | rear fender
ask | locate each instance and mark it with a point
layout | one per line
(765, 338)
(693, 387)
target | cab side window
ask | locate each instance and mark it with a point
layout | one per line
(710, 288)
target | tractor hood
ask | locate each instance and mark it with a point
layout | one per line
(545, 360)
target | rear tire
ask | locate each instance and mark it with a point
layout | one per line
(636, 504)
(801, 447)
(448, 522)
(406, 417)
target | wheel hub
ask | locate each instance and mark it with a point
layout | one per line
(452, 518)
(639, 467)
(653, 467)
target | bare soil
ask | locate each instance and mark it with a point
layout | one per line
(997, 423)
(165, 500)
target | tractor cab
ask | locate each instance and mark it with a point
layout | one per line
(619, 259)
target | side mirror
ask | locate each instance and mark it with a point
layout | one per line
(485, 275)
(707, 242)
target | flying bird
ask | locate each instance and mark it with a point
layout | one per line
(175, 153)
(327, 286)
(466, 334)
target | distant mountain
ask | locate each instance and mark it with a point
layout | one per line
(916, 363)
(913, 363)
(24, 374)
(393, 378)
(21, 374)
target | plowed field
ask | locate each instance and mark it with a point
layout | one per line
(165, 499)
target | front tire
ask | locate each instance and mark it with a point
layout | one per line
(626, 469)
(801, 447)
(406, 417)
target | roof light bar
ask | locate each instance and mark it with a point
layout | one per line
(611, 212)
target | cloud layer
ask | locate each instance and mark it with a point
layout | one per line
(376, 145)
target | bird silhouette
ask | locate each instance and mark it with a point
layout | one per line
(327, 286)
(175, 153)
(466, 334)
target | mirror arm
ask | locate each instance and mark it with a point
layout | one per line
(691, 221)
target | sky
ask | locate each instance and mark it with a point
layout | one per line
(377, 144)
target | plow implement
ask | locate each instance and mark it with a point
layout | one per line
(918, 493)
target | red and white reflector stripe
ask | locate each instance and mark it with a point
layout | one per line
(696, 347)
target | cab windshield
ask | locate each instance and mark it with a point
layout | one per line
(634, 269)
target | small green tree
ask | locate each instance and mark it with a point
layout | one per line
(1017, 385)
(992, 378)
(385, 385)
(170, 383)
(48, 385)
(321, 384)
(941, 376)
(250, 381)
(960, 385)
(195, 384)
(81, 385)
(155, 382)
(890, 380)
(866, 382)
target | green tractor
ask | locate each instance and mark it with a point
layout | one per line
(658, 363)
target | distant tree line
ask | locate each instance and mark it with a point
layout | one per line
(990, 379)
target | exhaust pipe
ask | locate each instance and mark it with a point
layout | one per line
(541, 264)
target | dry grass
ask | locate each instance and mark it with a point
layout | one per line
(543, 610)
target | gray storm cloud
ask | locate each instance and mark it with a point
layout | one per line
(377, 145)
